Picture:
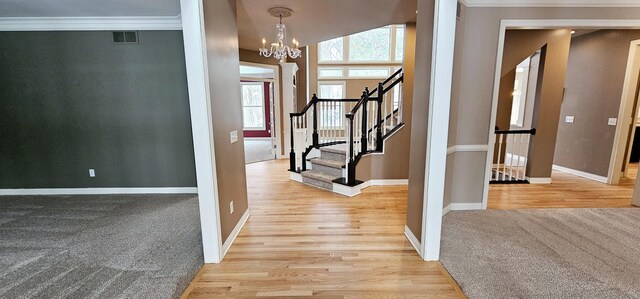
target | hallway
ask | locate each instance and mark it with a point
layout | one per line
(303, 241)
(565, 191)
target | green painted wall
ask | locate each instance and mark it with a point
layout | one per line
(70, 101)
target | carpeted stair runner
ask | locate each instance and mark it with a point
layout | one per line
(326, 168)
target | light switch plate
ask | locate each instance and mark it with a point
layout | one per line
(92, 173)
(568, 119)
(613, 121)
(233, 136)
(231, 207)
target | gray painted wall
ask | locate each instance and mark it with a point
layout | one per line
(70, 101)
(479, 47)
(593, 88)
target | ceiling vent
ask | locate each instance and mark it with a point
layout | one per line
(125, 37)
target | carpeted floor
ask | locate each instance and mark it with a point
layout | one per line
(111, 246)
(257, 150)
(549, 253)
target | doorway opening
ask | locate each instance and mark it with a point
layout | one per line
(259, 92)
(576, 106)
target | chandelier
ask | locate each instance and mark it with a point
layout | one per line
(279, 48)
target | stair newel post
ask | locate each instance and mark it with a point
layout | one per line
(363, 137)
(292, 154)
(315, 138)
(379, 120)
(351, 166)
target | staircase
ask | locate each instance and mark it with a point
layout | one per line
(327, 142)
(327, 168)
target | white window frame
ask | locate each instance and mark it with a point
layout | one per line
(344, 96)
(346, 42)
(264, 116)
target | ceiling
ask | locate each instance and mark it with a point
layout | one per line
(88, 8)
(553, 3)
(317, 20)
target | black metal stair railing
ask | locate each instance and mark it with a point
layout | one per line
(324, 122)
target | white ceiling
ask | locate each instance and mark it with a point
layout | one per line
(317, 20)
(88, 8)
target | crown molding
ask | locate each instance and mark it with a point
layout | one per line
(90, 23)
(550, 3)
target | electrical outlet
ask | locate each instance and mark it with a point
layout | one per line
(92, 173)
(568, 119)
(231, 207)
(233, 136)
(612, 121)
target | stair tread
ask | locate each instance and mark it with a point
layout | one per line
(319, 176)
(338, 149)
(328, 163)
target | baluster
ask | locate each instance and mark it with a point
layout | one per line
(506, 141)
(314, 99)
(499, 156)
(292, 153)
(400, 101)
(351, 176)
(513, 153)
(334, 129)
(363, 128)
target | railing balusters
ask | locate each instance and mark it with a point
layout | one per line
(515, 144)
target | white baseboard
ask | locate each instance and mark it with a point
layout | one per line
(294, 176)
(234, 233)
(346, 190)
(412, 239)
(539, 180)
(100, 191)
(400, 182)
(461, 207)
(586, 175)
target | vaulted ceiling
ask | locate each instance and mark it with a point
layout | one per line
(318, 20)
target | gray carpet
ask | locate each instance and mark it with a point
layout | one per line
(257, 150)
(115, 246)
(554, 253)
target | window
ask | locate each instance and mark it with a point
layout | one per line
(253, 105)
(362, 72)
(380, 45)
(520, 93)
(372, 45)
(399, 44)
(330, 73)
(331, 116)
(331, 50)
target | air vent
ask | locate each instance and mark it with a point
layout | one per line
(458, 11)
(125, 37)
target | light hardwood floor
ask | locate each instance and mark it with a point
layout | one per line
(565, 191)
(302, 241)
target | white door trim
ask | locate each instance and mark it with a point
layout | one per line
(444, 32)
(625, 112)
(535, 24)
(276, 102)
(202, 128)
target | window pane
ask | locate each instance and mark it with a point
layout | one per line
(330, 73)
(331, 91)
(331, 50)
(399, 44)
(373, 73)
(253, 117)
(372, 45)
(252, 95)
